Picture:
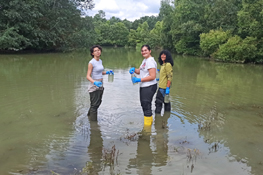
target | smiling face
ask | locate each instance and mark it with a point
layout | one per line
(163, 57)
(146, 53)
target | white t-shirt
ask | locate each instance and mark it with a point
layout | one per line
(144, 72)
(97, 69)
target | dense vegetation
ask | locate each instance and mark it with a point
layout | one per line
(226, 30)
(44, 25)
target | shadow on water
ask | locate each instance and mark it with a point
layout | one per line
(215, 126)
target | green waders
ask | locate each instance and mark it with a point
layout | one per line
(95, 101)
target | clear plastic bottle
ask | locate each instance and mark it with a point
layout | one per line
(110, 76)
(133, 75)
(166, 98)
(157, 74)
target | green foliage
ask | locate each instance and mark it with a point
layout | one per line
(155, 36)
(166, 12)
(222, 14)
(184, 26)
(41, 25)
(103, 30)
(119, 34)
(188, 18)
(143, 32)
(237, 50)
(133, 37)
(250, 19)
(11, 40)
(140, 36)
(151, 21)
(210, 42)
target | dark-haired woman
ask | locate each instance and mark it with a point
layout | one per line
(95, 76)
(166, 75)
(148, 84)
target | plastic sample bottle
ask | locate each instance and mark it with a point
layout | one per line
(110, 76)
(157, 74)
(133, 75)
(166, 98)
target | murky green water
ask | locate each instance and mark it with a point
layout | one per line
(215, 126)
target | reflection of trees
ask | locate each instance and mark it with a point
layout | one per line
(226, 101)
(37, 105)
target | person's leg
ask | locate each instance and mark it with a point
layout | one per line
(159, 101)
(95, 101)
(146, 96)
(167, 106)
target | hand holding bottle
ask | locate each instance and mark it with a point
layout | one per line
(136, 80)
(167, 91)
(132, 70)
(110, 72)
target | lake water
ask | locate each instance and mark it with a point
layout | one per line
(215, 126)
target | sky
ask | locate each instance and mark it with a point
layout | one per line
(126, 9)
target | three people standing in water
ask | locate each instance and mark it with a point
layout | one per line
(147, 79)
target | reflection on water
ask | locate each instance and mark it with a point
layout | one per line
(215, 126)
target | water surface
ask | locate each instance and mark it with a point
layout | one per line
(215, 126)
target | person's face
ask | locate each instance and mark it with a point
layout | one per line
(96, 52)
(145, 52)
(163, 57)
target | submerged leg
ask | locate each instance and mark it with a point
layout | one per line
(158, 102)
(167, 106)
(95, 101)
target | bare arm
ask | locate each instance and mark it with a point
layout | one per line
(152, 75)
(137, 71)
(168, 83)
(90, 67)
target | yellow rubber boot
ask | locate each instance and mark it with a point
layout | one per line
(148, 121)
(147, 128)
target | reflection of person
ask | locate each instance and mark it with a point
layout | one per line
(144, 158)
(94, 75)
(95, 146)
(148, 85)
(161, 139)
(166, 75)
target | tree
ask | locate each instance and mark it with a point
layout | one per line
(222, 14)
(155, 36)
(114, 20)
(166, 11)
(100, 16)
(133, 38)
(119, 34)
(40, 25)
(210, 42)
(187, 26)
(237, 50)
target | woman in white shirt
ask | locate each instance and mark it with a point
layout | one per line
(148, 84)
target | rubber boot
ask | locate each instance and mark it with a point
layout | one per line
(147, 128)
(148, 121)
